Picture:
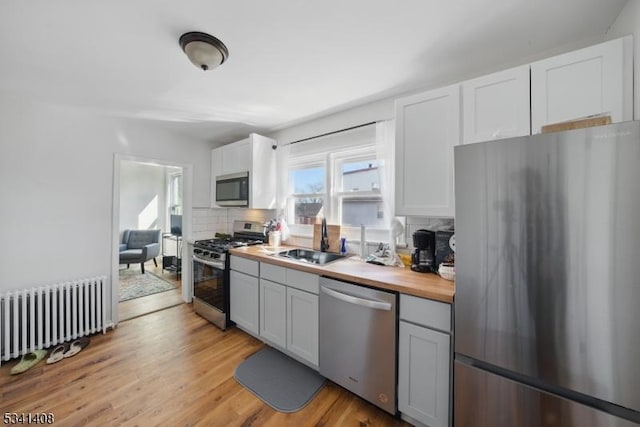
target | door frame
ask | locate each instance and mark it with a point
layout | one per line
(187, 200)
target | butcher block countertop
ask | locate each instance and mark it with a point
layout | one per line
(353, 269)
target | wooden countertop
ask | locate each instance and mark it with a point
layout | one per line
(352, 269)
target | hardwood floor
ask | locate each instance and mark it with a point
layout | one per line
(167, 368)
(145, 305)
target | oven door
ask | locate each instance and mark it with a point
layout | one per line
(210, 291)
(233, 190)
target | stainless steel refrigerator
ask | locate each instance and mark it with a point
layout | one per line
(547, 305)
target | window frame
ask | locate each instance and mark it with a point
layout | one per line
(176, 188)
(333, 194)
(305, 162)
(337, 160)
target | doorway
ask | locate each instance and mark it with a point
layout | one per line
(151, 195)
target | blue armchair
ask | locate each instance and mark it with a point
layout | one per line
(139, 246)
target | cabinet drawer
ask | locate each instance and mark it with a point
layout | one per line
(304, 281)
(425, 312)
(273, 272)
(244, 265)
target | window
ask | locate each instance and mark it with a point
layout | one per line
(337, 178)
(175, 194)
(346, 177)
(358, 197)
(353, 199)
(307, 189)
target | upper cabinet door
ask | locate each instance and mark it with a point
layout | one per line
(594, 80)
(262, 173)
(496, 106)
(236, 157)
(427, 129)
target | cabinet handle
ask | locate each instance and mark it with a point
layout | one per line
(378, 305)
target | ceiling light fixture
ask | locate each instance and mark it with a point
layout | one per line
(204, 51)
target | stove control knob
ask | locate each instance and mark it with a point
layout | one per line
(205, 253)
(197, 251)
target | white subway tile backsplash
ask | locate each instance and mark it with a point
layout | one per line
(218, 212)
(198, 220)
(200, 212)
(202, 235)
(415, 223)
(207, 222)
(199, 227)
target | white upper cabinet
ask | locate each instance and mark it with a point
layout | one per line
(496, 106)
(427, 129)
(254, 155)
(236, 157)
(585, 82)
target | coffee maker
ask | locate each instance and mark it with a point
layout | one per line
(423, 256)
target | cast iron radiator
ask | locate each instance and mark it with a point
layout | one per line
(37, 318)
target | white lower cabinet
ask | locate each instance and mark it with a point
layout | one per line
(289, 311)
(423, 374)
(273, 312)
(244, 295)
(302, 324)
(424, 361)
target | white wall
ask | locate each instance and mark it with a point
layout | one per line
(56, 187)
(371, 112)
(143, 202)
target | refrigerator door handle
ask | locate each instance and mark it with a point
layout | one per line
(377, 305)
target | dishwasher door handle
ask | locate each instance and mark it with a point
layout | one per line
(378, 305)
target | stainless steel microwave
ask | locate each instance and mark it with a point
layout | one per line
(232, 189)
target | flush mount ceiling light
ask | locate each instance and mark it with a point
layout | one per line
(204, 51)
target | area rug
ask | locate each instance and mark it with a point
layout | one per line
(134, 284)
(281, 382)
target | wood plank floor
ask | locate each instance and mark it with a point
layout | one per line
(145, 305)
(167, 368)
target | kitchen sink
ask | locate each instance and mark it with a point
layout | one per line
(310, 256)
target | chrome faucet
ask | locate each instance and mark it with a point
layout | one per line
(324, 239)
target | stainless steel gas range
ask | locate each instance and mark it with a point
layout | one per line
(211, 270)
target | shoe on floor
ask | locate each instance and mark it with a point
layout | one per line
(76, 346)
(28, 361)
(57, 354)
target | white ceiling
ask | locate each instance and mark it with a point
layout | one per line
(289, 59)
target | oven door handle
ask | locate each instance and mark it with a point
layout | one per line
(219, 265)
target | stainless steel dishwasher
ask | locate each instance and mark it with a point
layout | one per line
(358, 340)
